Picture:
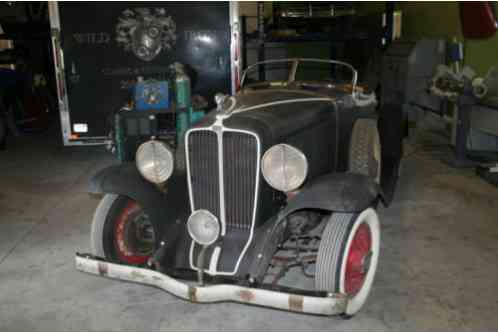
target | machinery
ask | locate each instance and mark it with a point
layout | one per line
(476, 129)
(407, 67)
(161, 110)
(415, 76)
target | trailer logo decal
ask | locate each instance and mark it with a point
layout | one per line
(92, 38)
(145, 32)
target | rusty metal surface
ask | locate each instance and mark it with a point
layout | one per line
(321, 305)
(296, 303)
(246, 296)
(102, 268)
(192, 294)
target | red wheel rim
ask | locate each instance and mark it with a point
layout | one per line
(126, 220)
(358, 260)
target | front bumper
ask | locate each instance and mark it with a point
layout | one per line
(330, 305)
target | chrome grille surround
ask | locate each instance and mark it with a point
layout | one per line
(218, 129)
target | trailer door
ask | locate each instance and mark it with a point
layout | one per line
(106, 46)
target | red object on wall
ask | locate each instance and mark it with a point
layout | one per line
(478, 19)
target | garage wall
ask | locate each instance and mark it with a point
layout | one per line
(435, 19)
(443, 19)
(432, 19)
(482, 54)
(440, 19)
(250, 8)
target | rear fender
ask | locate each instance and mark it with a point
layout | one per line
(391, 131)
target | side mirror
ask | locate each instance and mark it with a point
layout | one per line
(478, 19)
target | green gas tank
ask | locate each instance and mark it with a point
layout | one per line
(182, 87)
(183, 99)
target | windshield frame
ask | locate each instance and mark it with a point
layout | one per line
(295, 63)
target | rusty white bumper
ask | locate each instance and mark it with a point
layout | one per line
(329, 305)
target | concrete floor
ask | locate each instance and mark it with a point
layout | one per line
(437, 268)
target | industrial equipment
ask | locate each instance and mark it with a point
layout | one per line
(160, 110)
(407, 67)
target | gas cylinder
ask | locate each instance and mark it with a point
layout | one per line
(183, 100)
(182, 87)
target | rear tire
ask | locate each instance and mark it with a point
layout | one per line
(365, 149)
(348, 255)
(121, 231)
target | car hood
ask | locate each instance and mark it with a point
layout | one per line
(248, 98)
(294, 110)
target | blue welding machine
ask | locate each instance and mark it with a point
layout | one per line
(151, 95)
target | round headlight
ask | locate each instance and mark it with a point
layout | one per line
(284, 167)
(203, 227)
(154, 160)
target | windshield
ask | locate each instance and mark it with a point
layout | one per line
(285, 71)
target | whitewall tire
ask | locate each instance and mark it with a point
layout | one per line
(121, 231)
(348, 255)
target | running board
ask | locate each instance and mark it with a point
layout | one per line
(332, 304)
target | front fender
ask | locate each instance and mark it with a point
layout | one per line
(166, 209)
(335, 192)
(341, 192)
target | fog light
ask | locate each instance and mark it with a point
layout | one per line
(203, 227)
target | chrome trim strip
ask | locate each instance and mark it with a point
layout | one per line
(218, 127)
(219, 134)
(60, 73)
(234, 44)
(285, 101)
(187, 162)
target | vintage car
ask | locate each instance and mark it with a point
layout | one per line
(282, 178)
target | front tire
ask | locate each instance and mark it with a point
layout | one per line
(348, 255)
(121, 231)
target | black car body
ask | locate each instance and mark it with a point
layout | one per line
(284, 174)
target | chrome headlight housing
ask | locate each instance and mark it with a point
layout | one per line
(203, 227)
(284, 167)
(155, 161)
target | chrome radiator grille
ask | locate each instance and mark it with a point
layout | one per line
(239, 169)
(240, 160)
(203, 167)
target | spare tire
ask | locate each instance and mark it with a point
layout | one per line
(365, 149)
